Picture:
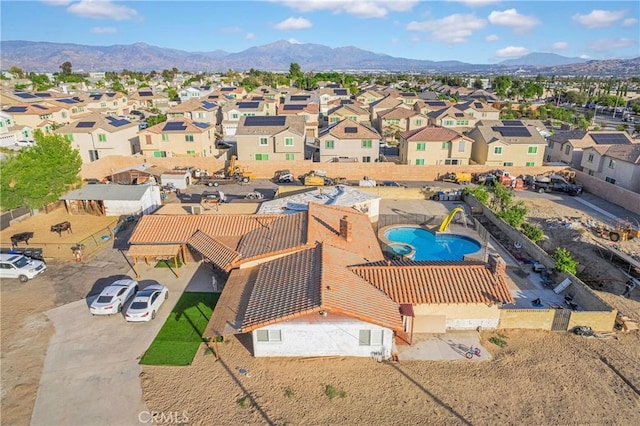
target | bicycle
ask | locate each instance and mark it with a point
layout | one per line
(471, 352)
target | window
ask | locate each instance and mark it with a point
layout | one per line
(165, 137)
(448, 123)
(262, 157)
(102, 137)
(418, 122)
(590, 158)
(200, 115)
(507, 164)
(461, 146)
(69, 137)
(288, 141)
(64, 114)
(451, 162)
(366, 159)
(462, 122)
(446, 145)
(269, 335)
(610, 180)
(191, 152)
(188, 138)
(264, 141)
(550, 144)
(393, 121)
(335, 119)
(328, 144)
(370, 337)
(161, 154)
(497, 150)
(234, 116)
(532, 150)
(567, 149)
(93, 155)
(612, 164)
(366, 143)
(289, 156)
(421, 146)
(529, 164)
(419, 161)
(115, 103)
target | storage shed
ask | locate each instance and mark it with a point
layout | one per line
(113, 200)
(180, 179)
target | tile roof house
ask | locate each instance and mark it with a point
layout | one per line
(108, 103)
(271, 138)
(434, 145)
(196, 109)
(452, 118)
(399, 119)
(367, 97)
(146, 98)
(384, 104)
(194, 92)
(617, 164)
(349, 140)
(179, 138)
(348, 111)
(479, 110)
(97, 136)
(507, 143)
(568, 147)
(327, 95)
(10, 132)
(426, 106)
(231, 92)
(309, 111)
(37, 115)
(265, 91)
(233, 111)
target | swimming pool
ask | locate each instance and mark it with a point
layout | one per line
(429, 246)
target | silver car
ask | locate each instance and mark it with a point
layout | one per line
(113, 297)
(146, 303)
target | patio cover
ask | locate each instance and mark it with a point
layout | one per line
(157, 252)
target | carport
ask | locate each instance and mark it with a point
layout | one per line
(157, 252)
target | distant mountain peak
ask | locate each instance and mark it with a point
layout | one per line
(542, 59)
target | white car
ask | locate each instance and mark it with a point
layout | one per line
(20, 266)
(146, 303)
(25, 143)
(113, 297)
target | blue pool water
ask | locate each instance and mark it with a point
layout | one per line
(431, 247)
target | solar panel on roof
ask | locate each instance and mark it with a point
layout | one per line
(95, 97)
(16, 109)
(437, 103)
(39, 106)
(512, 123)
(110, 94)
(208, 105)
(201, 125)
(117, 122)
(459, 114)
(407, 94)
(265, 121)
(174, 125)
(248, 104)
(293, 107)
(513, 131)
(340, 92)
(146, 93)
(257, 98)
(68, 101)
(25, 95)
(227, 89)
(351, 130)
(300, 97)
(85, 124)
(609, 139)
(478, 104)
(346, 101)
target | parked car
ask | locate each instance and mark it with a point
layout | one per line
(213, 196)
(25, 143)
(146, 303)
(390, 183)
(138, 113)
(223, 145)
(20, 266)
(143, 126)
(254, 195)
(113, 297)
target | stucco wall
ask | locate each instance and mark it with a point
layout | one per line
(535, 319)
(598, 321)
(323, 338)
(462, 316)
(613, 193)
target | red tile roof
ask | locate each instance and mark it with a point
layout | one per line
(219, 254)
(437, 282)
(432, 134)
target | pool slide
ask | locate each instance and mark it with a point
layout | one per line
(447, 220)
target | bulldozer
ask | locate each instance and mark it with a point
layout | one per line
(237, 172)
(624, 231)
(319, 178)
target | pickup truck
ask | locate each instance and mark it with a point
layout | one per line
(556, 183)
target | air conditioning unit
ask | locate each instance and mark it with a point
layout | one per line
(196, 209)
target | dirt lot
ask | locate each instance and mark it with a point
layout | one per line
(538, 378)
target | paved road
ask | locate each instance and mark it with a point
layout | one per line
(91, 371)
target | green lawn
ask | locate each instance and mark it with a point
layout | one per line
(179, 338)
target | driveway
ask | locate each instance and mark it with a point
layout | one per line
(91, 371)
(451, 346)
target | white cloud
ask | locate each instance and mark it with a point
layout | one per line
(56, 2)
(560, 45)
(104, 30)
(585, 56)
(451, 29)
(475, 3)
(608, 44)
(97, 9)
(230, 30)
(629, 22)
(293, 24)
(511, 18)
(360, 8)
(598, 18)
(491, 37)
(512, 52)
(249, 36)
(293, 41)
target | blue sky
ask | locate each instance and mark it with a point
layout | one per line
(474, 31)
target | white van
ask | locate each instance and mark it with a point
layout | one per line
(20, 266)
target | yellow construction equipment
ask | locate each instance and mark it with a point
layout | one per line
(457, 177)
(238, 172)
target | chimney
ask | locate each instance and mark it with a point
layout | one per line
(497, 265)
(345, 228)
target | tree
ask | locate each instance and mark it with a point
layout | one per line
(295, 72)
(564, 261)
(477, 84)
(39, 175)
(155, 119)
(66, 68)
(533, 232)
(501, 84)
(17, 72)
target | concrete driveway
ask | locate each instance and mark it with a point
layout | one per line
(91, 371)
(451, 346)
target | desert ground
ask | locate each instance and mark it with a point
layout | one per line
(538, 378)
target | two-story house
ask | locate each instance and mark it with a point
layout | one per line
(349, 112)
(10, 133)
(196, 109)
(399, 119)
(232, 112)
(349, 140)
(434, 145)
(452, 118)
(617, 164)
(385, 104)
(108, 103)
(194, 92)
(507, 143)
(327, 95)
(265, 92)
(179, 138)
(367, 97)
(38, 115)
(97, 136)
(231, 92)
(266, 138)
(424, 107)
(146, 98)
(568, 147)
(479, 110)
(310, 113)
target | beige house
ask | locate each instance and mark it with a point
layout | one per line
(349, 140)
(179, 138)
(231, 92)
(348, 112)
(367, 97)
(434, 146)
(310, 113)
(146, 98)
(327, 95)
(399, 119)
(270, 105)
(38, 115)
(408, 98)
(108, 103)
(479, 110)
(97, 136)
(196, 109)
(232, 112)
(452, 118)
(385, 104)
(507, 143)
(424, 107)
(271, 138)
(568, 147)
(265, 92)
(10, 133)
(617, 164)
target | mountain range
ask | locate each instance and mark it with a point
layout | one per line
(277, 56)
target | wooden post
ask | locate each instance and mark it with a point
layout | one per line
(215, 348)
(175, 263)
(135, 266)
(184, 253)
